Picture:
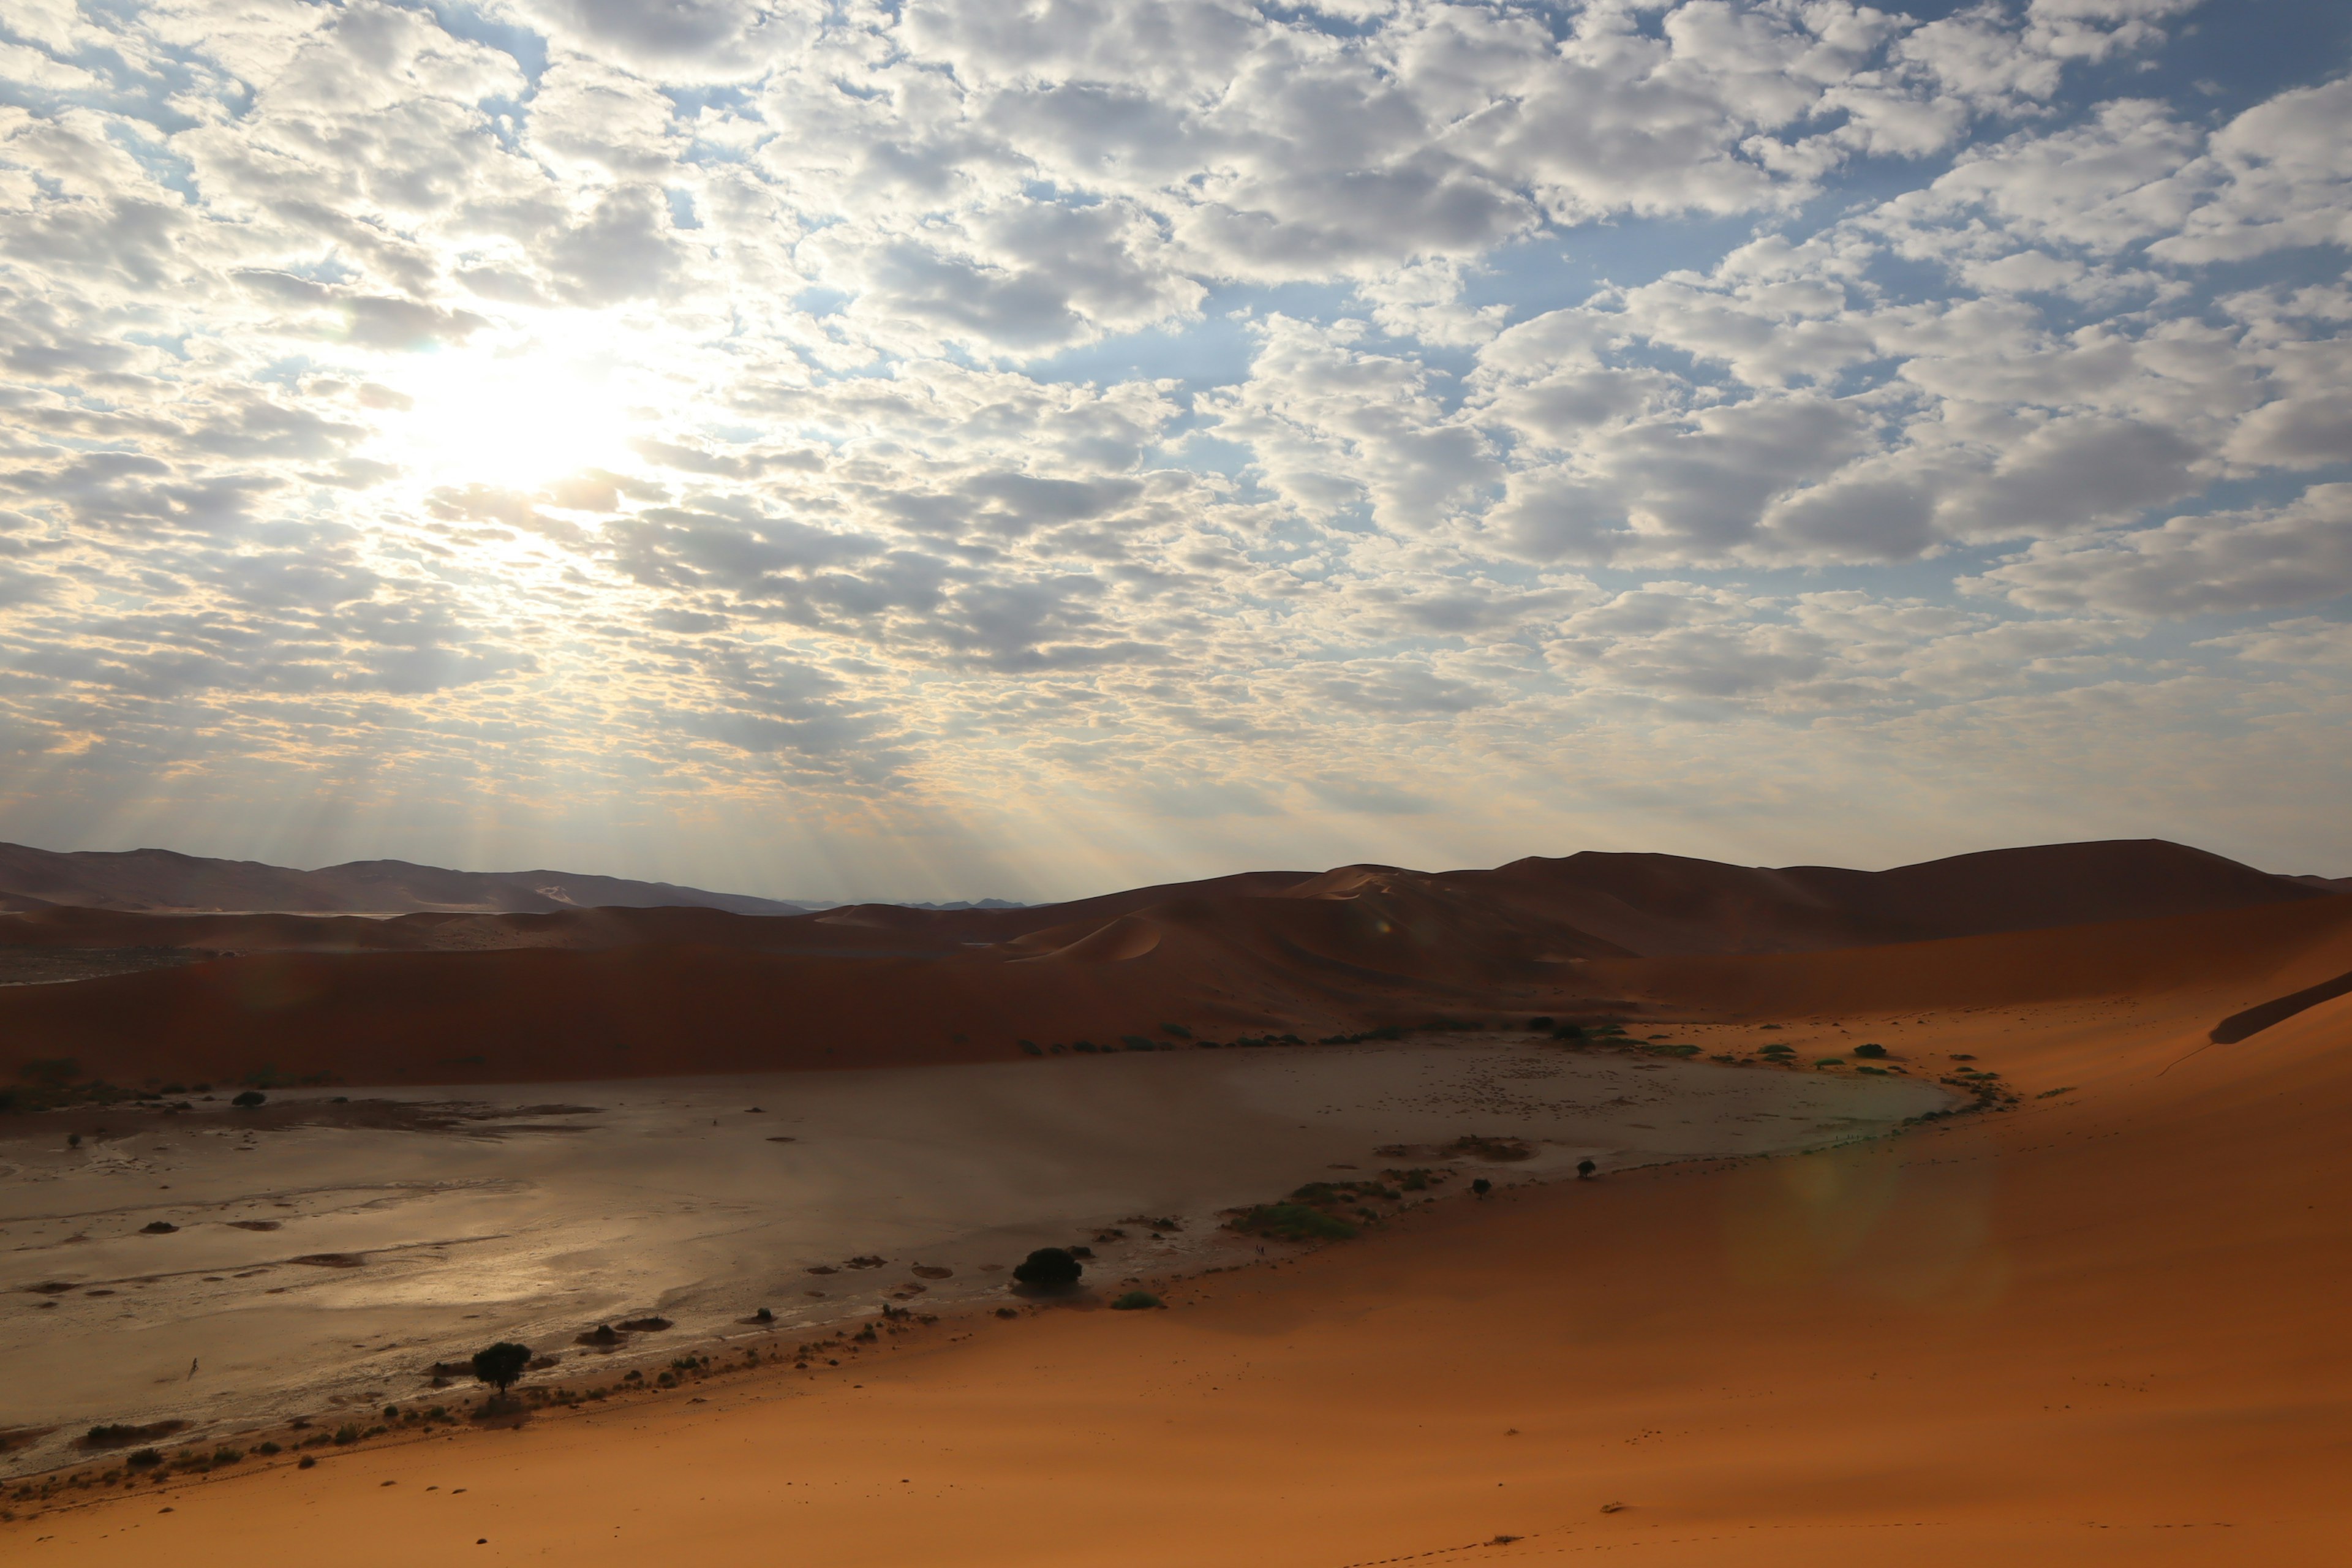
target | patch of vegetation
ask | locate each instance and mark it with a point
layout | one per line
(1179, 1030)
(1829, 1062)
(250, 1099)
(1417, 1179)
(2054, 1093)
(1777, 1051)
(1051, 1268)
(1874, 1051)
(1874, 1072)
(1137, 1043)
(498, 1365)
(1136, 1301)
(1030, 1047)
(1672, 1050)
(1291, 1222)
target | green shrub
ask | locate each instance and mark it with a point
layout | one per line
(1875, 1052)
(1829, 1062)
(249, 1098)
(143, 1458)
(1293, 1222)
(346, 1435)
(1136, 1301)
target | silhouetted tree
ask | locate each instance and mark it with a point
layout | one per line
(1049, 1266)
(502, 1363)
(1481, 1187)
(1584, 1169)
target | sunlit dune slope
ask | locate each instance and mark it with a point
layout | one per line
(2103, 1328)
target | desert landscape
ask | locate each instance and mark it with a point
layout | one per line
(1913, 1215)
(1144, 784)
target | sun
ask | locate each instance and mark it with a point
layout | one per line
(517, 417)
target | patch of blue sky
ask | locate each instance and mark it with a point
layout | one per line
(527, 49)
(2222, 58)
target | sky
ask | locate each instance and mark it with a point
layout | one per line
(1026, 447)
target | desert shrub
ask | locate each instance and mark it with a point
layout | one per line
(1049, 1266)
(1136, 1301)
(307, 1461)
(1481, 1187)
(1292, 1222)
(266, 1448)
(1875, 1052)
(346, 1435)
(1829, 1062)
(1030, 1047)
(1137, 1043)
(1778, 1049)
(1179, 1030)
(1584, 1169)
(227, 1456)
(1874, 1072)
(500, 1365)
(1672, 1050)
(1538, 1023)
(249, 1098)
(143, 1458)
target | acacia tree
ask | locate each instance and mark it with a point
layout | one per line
(1049, 1266)
(502, 1363)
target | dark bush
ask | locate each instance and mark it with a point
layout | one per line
(502, 1363)
(1293, 1222)
(249, 1098)
(306, 1462)
(1031, 1048)
(1481, 1187)
(1136, 1301)
(1584, 1169)
(1873, 1052)
(1049, 1266)
(1538, 1023)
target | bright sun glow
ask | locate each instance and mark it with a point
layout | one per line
(514, 419)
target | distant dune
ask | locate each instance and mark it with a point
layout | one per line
(473, 998)
(158, 880)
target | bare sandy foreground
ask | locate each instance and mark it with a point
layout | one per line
(2106, 1328)
(323, 1256)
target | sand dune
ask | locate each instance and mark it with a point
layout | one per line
(2101, 1328)
(163, 879)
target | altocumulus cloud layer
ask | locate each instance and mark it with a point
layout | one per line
(843, 447)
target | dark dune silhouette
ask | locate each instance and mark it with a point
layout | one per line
(161, 879)
(634, 991)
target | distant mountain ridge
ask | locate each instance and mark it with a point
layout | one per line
(164, 881)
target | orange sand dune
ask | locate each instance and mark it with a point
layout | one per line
(2103, 1328)
(1214, 967)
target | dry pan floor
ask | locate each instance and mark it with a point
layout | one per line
(2103, 1328)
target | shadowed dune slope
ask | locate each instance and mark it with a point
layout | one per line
(1214, 968)
(163, 879)
(2103, 1328)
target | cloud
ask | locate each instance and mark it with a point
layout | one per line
(2220, 563)
(878, 418)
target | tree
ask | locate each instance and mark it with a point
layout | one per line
(1051, 1266)
(502, 1363)
(1584, 1169)
(1481, 1187)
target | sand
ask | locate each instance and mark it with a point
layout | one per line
(2104, 1327)
(451, 1223)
